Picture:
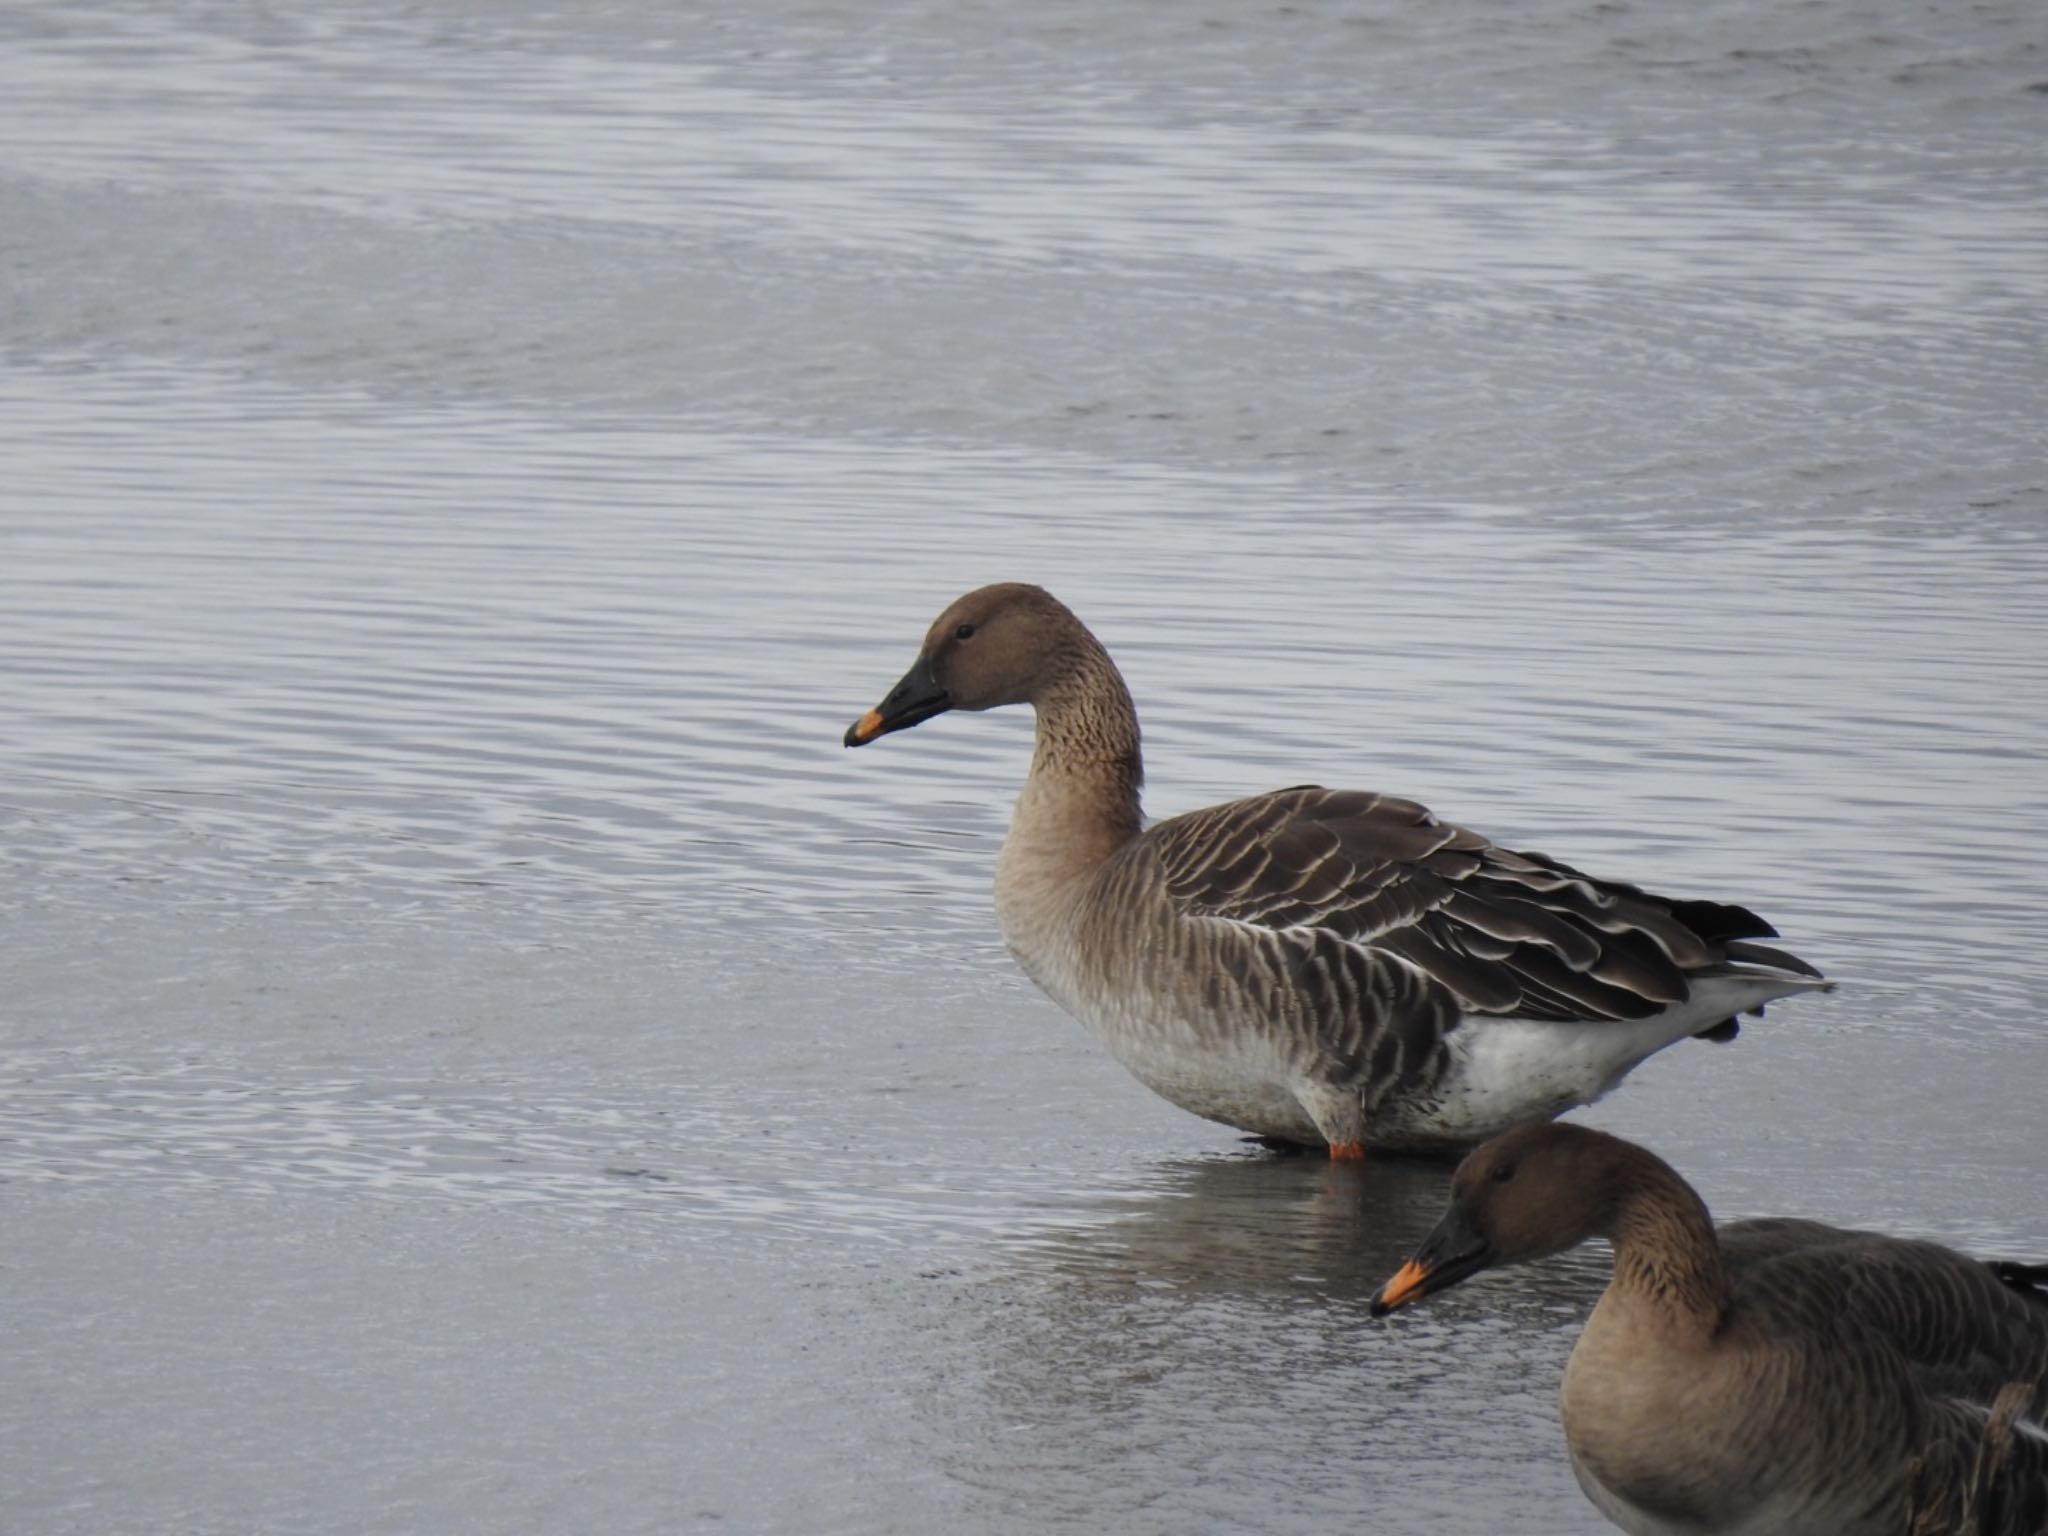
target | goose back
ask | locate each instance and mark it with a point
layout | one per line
(1504, 932)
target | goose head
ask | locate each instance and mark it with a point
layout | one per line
(1526, 1194)
(997, 645)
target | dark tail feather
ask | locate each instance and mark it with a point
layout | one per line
(1762, 954)
(2030, 1280)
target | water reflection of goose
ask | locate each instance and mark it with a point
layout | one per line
(1323, 967)
(1259, 1225)
(1198, 1354)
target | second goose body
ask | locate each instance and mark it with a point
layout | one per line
(1326, 967)
(1776, 1377)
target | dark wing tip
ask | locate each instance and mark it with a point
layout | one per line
(1718, 921)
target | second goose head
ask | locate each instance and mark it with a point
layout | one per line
(1524, 1195)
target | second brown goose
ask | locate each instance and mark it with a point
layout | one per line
(1325, 967)
(1769, 1378)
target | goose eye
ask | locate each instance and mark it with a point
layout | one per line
(964, 632)
(1503, 1173)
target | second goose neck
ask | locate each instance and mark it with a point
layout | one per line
(1666, 1256)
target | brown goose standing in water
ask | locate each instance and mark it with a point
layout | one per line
(1776, 1376)
(1325, 967)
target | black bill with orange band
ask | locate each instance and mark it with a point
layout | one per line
(1453, 1251)
(913, 700)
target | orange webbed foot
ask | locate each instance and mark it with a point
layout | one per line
(1347, 1151)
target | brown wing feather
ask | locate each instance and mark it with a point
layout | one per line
(1506, 932)
(1964, 1331)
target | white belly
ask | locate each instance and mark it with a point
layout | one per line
(1236, 1076)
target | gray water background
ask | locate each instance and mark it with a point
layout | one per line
(477, 1056)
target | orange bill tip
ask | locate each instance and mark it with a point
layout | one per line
(1404, 1287)
(868, 726)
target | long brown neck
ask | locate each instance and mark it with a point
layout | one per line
(1666, 1256)
(1080, 803)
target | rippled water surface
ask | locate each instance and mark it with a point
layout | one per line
(477, 1055)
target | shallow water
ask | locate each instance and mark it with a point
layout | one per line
(476, 1054)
